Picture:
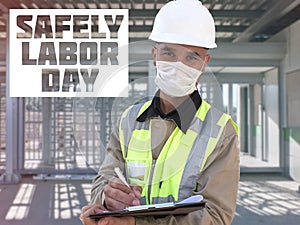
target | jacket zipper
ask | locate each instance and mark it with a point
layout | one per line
(150, 180)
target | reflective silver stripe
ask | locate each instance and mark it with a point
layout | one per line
(143, 200)
(129, 123)
(206, 129)
(156, 200)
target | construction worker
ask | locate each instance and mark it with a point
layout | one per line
(176, 145)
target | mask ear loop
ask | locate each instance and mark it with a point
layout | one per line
(156, 63)
(201, 72)
(203, 64)
(156, 49)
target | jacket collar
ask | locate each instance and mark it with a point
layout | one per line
(182, 115)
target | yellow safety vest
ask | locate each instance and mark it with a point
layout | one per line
(173, 176)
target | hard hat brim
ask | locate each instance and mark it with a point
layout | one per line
(176, 39)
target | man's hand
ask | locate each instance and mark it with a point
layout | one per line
(91, 209)
(88, 210)
(119, 196)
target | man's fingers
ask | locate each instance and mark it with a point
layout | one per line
(118, 184)
(117, 199)
(88, 210)
(137, 190)
(117, 221)
(119, 196)
(93, 208)
(113, 204)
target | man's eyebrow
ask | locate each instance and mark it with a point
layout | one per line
(167, 48)
(190, 52)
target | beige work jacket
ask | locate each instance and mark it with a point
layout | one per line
(218, 183)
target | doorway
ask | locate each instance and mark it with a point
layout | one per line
(253, 104)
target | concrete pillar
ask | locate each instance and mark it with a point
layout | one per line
(46, 113)
(284, 149)
(252, 150)
(11, 174)
(230, 99)
(242, 119)
(263, 125)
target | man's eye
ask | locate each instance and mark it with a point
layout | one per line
(168, 53)
(192, 58)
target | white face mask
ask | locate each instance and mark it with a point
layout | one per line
(175, 78)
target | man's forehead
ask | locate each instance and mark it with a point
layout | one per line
(180, 47)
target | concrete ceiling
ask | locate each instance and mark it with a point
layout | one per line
(237, 21)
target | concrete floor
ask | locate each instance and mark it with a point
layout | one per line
(267, 200)
(262, 200)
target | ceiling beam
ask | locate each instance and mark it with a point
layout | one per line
(10, 5)
(3, 9)
(244, 62)
(279, 9)
(239, 78)
(250, 14)
(258, 51)
(227, 28)
(3, 28)
(227, 54)
(218, 39)
(148, 28)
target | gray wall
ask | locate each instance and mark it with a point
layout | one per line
(291, 36)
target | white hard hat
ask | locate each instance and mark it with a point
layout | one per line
(184, 22)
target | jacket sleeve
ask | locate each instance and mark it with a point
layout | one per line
(218, 183)
(113, 158)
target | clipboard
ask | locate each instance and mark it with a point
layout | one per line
(186, 206)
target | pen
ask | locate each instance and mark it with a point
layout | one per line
(121, 176)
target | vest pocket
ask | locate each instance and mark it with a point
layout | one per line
(138, 171)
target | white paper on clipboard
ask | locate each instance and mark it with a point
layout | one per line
(190, 204)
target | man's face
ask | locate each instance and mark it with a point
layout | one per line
(195, 57)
